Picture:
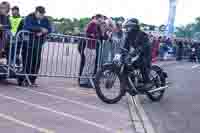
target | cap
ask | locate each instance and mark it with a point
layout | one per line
(40, 9)
(15, 8)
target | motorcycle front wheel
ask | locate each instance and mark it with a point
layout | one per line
(112, 83)
(159, 80)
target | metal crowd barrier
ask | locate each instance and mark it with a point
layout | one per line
(6, 39)
(108, 49)
(56, 55)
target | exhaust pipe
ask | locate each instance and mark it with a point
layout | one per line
(168, 83)
(158, 89)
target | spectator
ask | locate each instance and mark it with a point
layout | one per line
(39, 26)
(106, 47)
(110, 25)
(155, 49)
(198, 52)
(5, 26)
(180, 51)
(168, 42)
(193, 52)
(7, 7)
(4, 19)
(118, 30)
(15, 19)
(81, 49)
(90, 48)
(16, 24)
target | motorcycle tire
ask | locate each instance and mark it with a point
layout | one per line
(162, 77)
(99, 92)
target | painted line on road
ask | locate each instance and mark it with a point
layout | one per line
(14, 120)
(195, 66)
(147, 123)
(76, 90)
(137, 125)
(145, 126)
(81, 91)
(73, 117)
(163, 64)
(72, 101)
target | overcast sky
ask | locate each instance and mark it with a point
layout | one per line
(147, 11)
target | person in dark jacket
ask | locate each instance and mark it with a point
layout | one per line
(40, 27)
(139, 40)
(180, 51)
(4, 19)
(5, 27)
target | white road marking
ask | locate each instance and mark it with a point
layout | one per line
(134, 116)
(12, 119)
(72, 101)
(195, 66)
(78, 91)
(82, 120)
(180, 67)
(147, 123)
(161, 64)
(147, 126)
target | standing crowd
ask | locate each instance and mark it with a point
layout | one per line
(178, 48)
(92, 49)
(37, 24)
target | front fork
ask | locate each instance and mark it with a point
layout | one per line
(129, 84)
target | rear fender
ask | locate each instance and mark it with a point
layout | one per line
(162, 74)
(160, 71)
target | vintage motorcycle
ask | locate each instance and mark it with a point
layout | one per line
(125, 73)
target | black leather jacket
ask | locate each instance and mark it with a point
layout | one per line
(139, 41)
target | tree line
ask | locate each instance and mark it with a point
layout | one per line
(190, 31)
(76, 26)
(73, 26)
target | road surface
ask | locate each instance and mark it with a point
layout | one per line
(59, 106)
(179, 111)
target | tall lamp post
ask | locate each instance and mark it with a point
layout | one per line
(171, 18)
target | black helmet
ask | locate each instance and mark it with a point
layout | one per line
(131, 25)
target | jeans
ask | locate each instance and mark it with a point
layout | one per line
(31, 57)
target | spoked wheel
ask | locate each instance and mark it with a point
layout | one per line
(159, 81)
(109, 86)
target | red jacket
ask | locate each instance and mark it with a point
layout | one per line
(93, 32)
(155, 49)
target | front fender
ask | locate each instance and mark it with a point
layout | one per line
(112, 67)
(108, 66)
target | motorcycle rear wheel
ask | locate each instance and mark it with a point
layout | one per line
(160, 81)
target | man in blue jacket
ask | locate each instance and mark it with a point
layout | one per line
(40, 27)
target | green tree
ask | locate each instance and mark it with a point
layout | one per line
(190, 30)
(83, 22)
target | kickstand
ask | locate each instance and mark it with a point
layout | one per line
(92, 82)
(28, 80)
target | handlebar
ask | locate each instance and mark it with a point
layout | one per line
(123, 49)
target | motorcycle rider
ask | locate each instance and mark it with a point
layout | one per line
(139, 40)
